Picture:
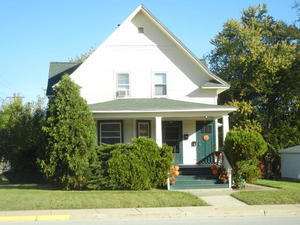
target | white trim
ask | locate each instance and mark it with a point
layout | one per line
(225, 120)
(225, 88)
(179, 110)
(216, 134)
(116, 85)
(158, 131)
(114, 137)
(154, 83)
(118, 116)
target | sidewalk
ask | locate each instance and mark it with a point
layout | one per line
(170, 212)
(222, 197)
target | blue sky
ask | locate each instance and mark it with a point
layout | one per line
(35, 32)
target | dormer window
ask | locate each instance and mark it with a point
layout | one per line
(122, 85)
(160, 86)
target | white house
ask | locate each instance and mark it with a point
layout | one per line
(142, 81)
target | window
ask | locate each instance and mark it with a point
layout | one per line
(110, 132)
(160, 84)
(143, 128)
(122, 84)
(141, 29)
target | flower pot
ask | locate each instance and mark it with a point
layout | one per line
(176, 168)
(224, 180)
(214, 171)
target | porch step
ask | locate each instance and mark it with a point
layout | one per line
(200, 186)
(194, 170)
(196, 177)
(196, 182)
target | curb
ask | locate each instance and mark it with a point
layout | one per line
(34, 218)
(167, 212)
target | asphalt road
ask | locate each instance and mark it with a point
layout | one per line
(254, 220)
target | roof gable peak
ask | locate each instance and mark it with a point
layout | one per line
(171, 36)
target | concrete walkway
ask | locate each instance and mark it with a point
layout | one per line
(216, 197)
(222, 197)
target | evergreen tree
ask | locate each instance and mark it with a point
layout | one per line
(71, 138)
(21, 139)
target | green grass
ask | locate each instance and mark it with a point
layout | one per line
(33, 197)
(288, 193)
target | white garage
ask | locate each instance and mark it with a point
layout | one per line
(290, 162)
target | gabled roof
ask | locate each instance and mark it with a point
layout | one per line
(212, 84)
(154, 105)
(165, 30)
(56, 71)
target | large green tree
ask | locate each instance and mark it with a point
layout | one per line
(21, 138)
(70, 130)
(260, 58)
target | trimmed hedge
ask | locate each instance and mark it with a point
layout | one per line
(244, 148)
(139, 165)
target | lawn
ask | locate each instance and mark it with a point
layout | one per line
(288, 193)
(33, 196)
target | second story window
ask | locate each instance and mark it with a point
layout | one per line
(160, 84)
(122, 85)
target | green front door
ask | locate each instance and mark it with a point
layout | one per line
(205, 137)
(172, 136)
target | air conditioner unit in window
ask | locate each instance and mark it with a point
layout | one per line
(122, 93)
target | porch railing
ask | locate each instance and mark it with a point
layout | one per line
(218, 158)
(227, 166)
(208, 160)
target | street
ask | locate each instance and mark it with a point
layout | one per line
(262, 220)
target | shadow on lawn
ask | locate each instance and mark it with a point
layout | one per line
(7, 185)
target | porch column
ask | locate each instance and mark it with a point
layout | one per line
(217, 134)
(225, 126)
(158, 131)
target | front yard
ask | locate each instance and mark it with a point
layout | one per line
(288, 193)
(33, 197)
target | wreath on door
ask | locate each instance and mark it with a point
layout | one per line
(205, 137)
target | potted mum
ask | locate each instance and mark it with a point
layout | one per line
(214, 169)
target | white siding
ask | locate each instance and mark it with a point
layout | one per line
(128, 130)
(290, 165)
(141, 55)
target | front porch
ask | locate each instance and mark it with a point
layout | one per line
(192, 129)
(193, 138)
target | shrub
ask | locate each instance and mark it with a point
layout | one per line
(139, 165)
(127, 170)
(165, 162)
(244, 148)
(157, 160)
(238, 179)
(249, 170)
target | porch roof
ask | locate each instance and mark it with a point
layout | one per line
(154, 105)
(213, 84)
